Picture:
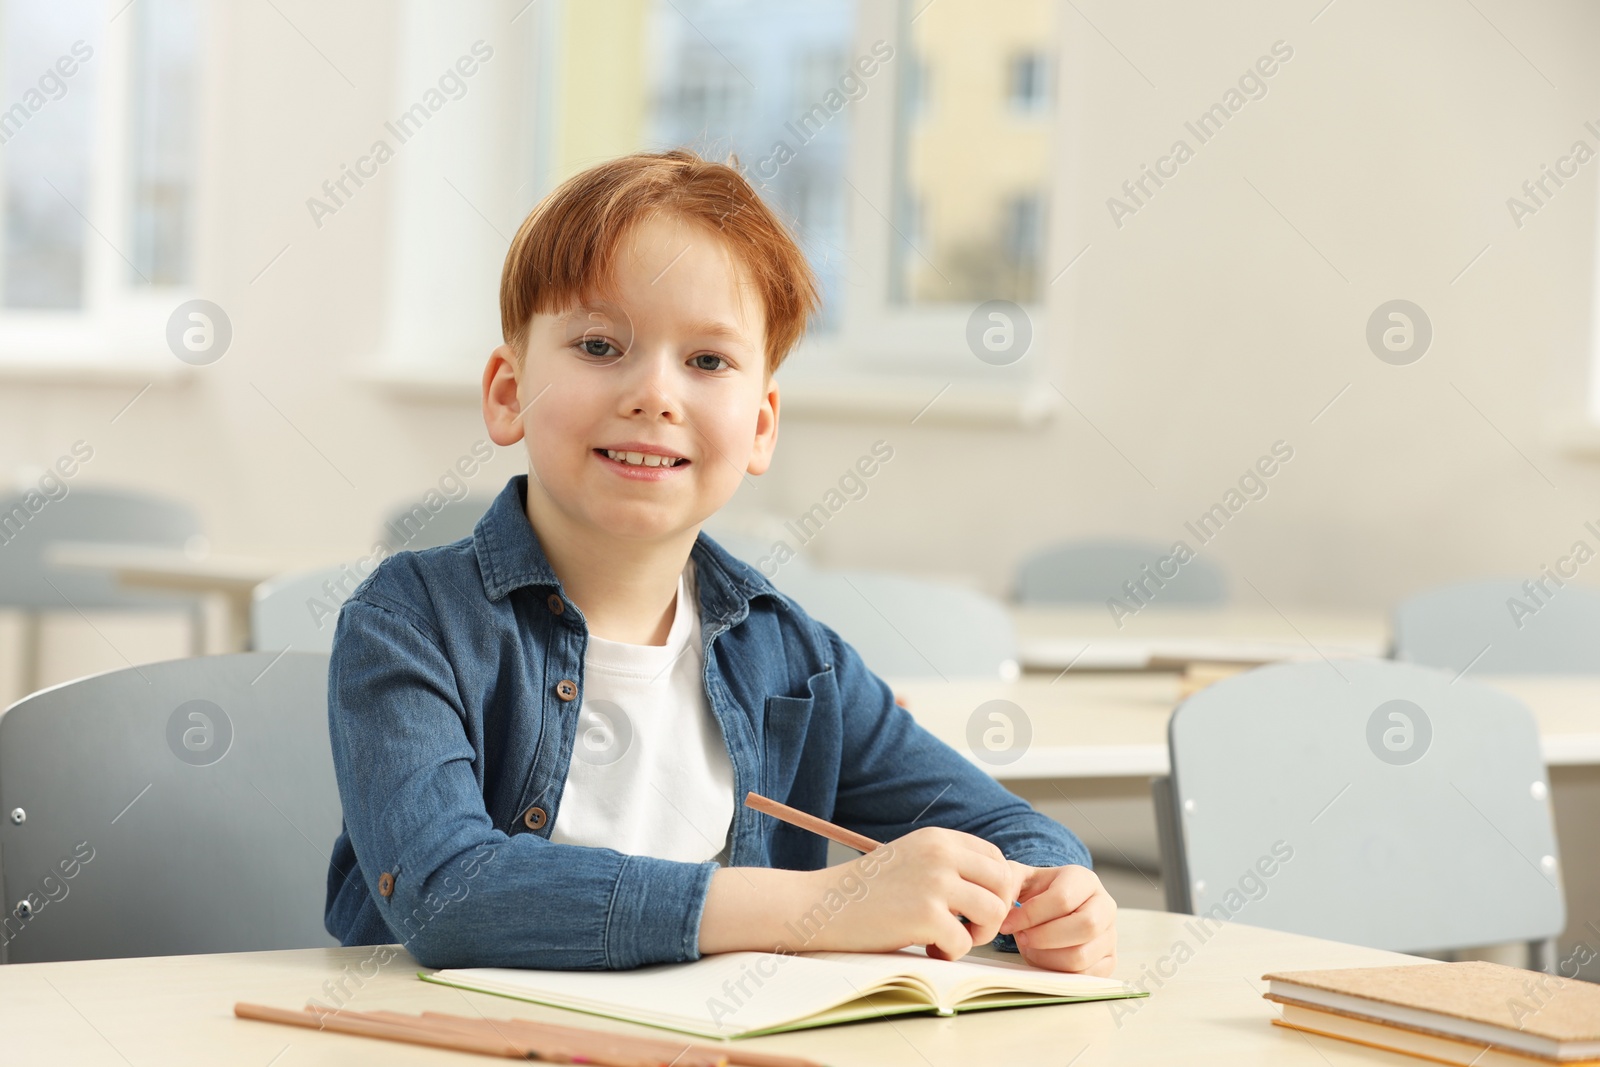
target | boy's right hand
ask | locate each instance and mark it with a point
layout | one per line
(914, 891)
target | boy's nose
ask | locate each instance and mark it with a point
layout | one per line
(649, 390)
(664, 408)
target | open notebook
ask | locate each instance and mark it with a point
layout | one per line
(743, 994)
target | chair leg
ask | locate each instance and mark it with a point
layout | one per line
(197, 628)
(1542, 955)
(32, 642)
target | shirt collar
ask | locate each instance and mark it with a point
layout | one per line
(510, 557)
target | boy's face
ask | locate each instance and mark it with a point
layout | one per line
(670, 366)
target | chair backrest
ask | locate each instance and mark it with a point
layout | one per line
(30, 523)
(416, 527)
(1092, 572)
(1364, 801)
(170, 808)
(298, 610)
(905, 627)
(1501, 627)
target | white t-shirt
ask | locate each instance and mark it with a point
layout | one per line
(650, 774)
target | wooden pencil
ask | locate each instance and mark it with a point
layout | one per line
(670, 1048)
(549, 1047)
(356, 1025)
(654, 1050)
(796, 817)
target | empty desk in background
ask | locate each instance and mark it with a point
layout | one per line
(1115, 725)
(178, 1010)
(1052, 638)
(232, 580)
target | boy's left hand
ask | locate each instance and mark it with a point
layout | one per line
(1067, 922)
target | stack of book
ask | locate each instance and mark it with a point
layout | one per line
(1483, 1014)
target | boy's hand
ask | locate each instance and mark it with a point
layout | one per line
(915, 891)
(1067, 922)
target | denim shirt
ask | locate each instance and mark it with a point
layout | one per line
(453, 697)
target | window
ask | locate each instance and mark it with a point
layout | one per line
(884, 132)
(1594, 336)
(748, 77)
(1027, 82)
(50, 80)
(99, 137)
(974, 172)
(162, 155)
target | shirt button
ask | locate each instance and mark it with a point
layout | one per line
(556, 604)
(566, 689)
(533, 818)
(385, 884)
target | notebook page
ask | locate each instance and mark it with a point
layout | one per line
(954, 981)
(719, 995)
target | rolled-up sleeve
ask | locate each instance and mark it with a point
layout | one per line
(896, 776)
(453, 888)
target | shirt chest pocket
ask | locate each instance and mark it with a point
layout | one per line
(793, 722)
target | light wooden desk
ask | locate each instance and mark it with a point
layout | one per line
(177, 1010)
(1088, 638)
(1108, 725)
(231, 579)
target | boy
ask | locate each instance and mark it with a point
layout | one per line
(543, 733)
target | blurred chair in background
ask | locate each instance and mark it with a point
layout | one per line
(1501, 627)
(1299, 800)
(193, 801)
(32, 584)
(1092, 572)
(753, 537)
(299, 610)
(903, 627)
(413, 526)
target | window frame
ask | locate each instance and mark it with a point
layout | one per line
(884, 360)
(120, 331)
(891, 358)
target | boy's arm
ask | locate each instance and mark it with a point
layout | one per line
(463, 892)
(895, 776)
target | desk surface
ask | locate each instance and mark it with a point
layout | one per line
(177, 1010)
(1051, 638)
(1115, 725)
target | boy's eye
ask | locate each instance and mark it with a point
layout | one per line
(604, 345)
(711, 356)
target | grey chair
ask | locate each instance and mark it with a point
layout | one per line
(179, 807)
(907, 627)
(30, 584)
(414, 526)
(298, 610)
(1091, 572)
(1501, 627)
(1368, 801)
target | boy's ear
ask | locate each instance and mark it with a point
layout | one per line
(766, 441)
(502, 411)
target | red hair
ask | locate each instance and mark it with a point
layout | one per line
(565, 250)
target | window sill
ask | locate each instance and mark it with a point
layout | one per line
(1578, 439)
(92, 368)
(951, 401)
(415, 383)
